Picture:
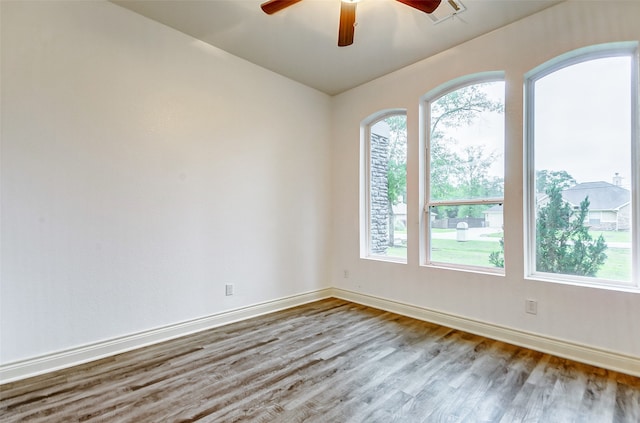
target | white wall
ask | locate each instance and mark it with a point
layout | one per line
(141, 171)
(604, 319)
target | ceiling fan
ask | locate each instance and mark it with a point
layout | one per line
(347, 28)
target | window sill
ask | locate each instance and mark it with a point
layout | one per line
(470, 269)
(388, 259)
(581, 282)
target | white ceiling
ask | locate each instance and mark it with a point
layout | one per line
(300, 42)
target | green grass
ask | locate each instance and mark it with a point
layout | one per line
(397, 252)
(612, 236)
(471, 253)
(617, 267)
(476, 253)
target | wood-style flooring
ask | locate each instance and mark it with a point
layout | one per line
(328, 361)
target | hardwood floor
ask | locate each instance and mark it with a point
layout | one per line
(329, 361)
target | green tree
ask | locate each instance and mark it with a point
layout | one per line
(460, 174)
(545, 179)
(461, 107)
(473, 180)
(563, 242)
(397, 173)
(397, 170)
(497, 257)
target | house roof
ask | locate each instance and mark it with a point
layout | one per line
(602, 195)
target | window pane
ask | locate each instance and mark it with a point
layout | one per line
(473, 240)
(466, 167)
(467, 143)
(388, 187)
(582, 161)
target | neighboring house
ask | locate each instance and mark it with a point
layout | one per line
(400, 221)
(493, 217)
(400, 215)
(609, 206)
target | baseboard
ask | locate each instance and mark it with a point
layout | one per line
(59, 360)
(63, 359)
(581, 353)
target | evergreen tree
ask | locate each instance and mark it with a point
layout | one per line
(548, 178)
(563, 242)
(497, 257)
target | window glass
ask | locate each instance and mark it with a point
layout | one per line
(581, 148)
(467, 143)
(467, 241)
(466, 176)
(387, 188)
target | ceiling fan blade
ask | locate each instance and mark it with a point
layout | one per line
(347, 28)
(272, 6)
(426, 6)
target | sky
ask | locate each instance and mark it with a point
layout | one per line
(582, 122)
(487, 130)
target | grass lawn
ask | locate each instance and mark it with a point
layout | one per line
(476, 253)
(397, 252)
(472, 253)
(612, 236)
(617, 266)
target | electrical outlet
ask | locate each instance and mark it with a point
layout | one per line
(346, 274)
(531, 306)
(228, 289)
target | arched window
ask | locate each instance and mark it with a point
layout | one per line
(464, 173)
(582, 166)
(384, 217)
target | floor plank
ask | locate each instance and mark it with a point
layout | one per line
(328, 361)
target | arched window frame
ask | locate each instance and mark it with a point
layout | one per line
(586, 54)
(365, 184)
(425, 222)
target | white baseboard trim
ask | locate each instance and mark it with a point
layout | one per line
(63, 359)
(581, 353)
(59, 360)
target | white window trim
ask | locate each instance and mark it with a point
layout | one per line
(365, 185)
(425, 125)
(581, 55)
